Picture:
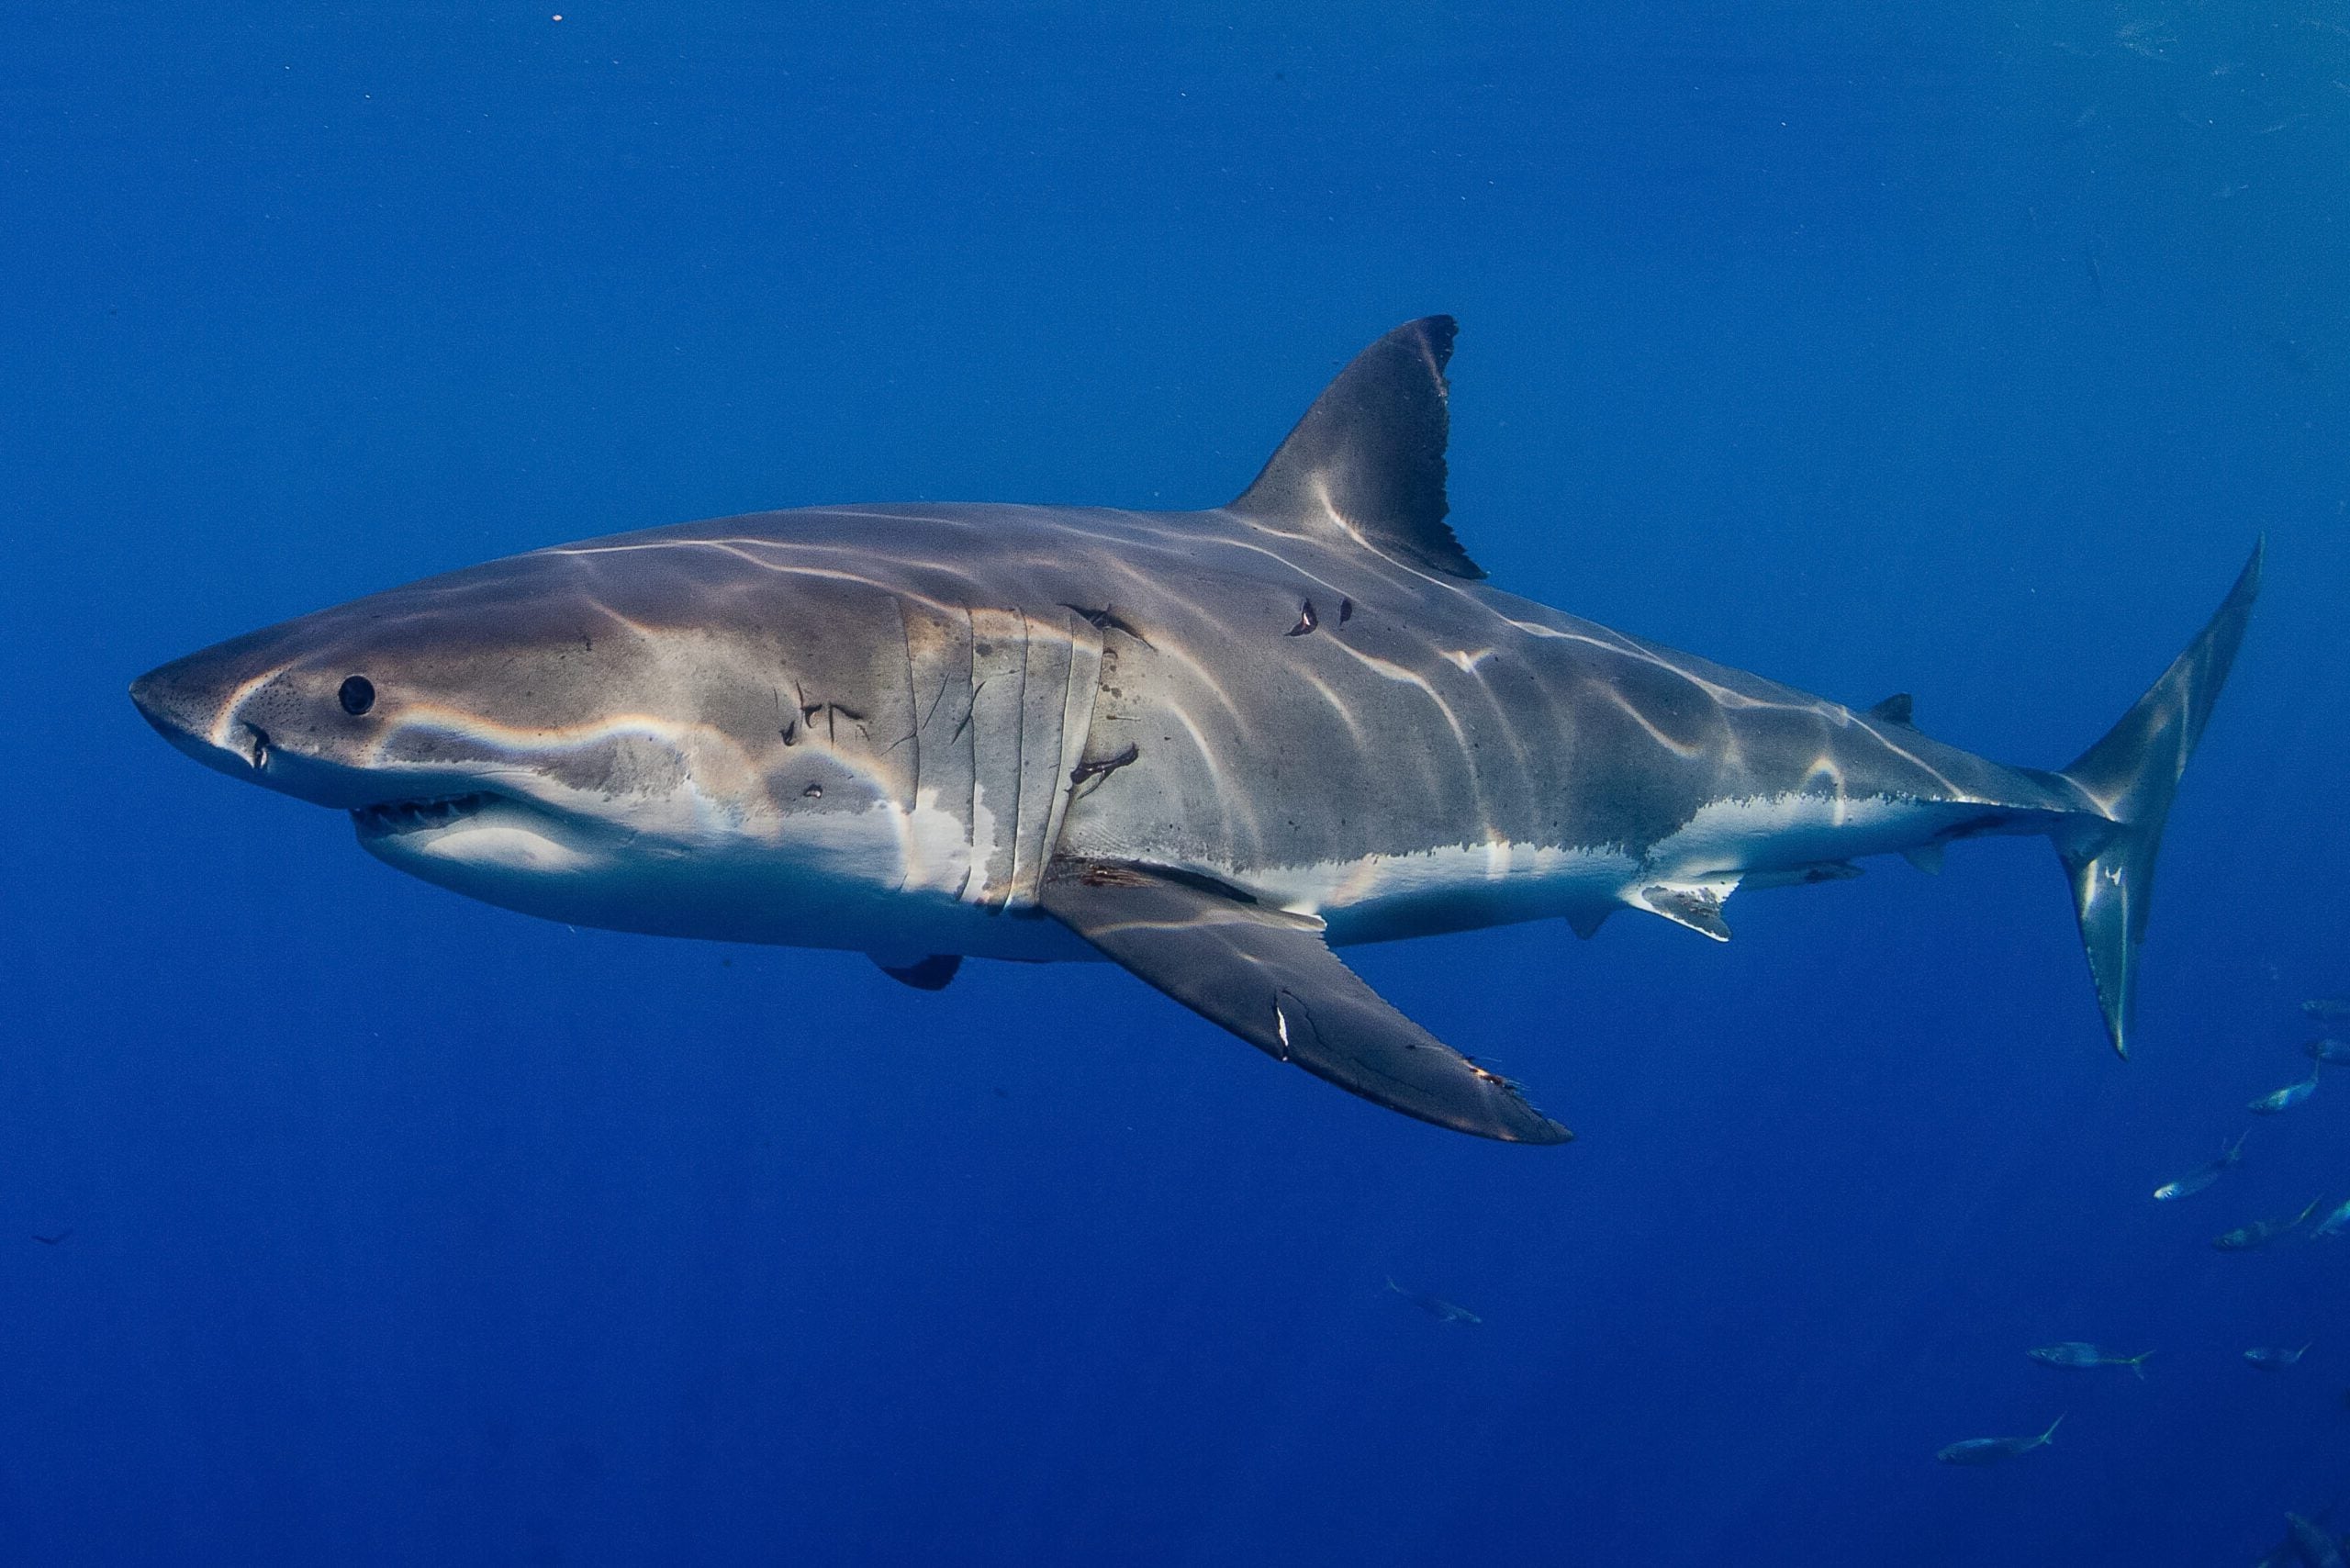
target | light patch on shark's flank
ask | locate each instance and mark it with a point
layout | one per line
(987, 833)
(933, 846)
(1537, 873)
(1798, 829)
(1466, 660)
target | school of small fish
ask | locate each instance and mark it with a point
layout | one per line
(2306, 1543)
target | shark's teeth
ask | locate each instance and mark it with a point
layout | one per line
(415, 816)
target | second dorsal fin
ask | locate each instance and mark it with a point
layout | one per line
(1893, 710)
(1368, 458)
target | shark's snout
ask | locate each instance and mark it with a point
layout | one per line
(188, 701)
(165, 700)
(233, 709)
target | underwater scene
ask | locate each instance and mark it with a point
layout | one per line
(1049, 784)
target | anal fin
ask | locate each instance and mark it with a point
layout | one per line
(1270, 977)
(933, 973)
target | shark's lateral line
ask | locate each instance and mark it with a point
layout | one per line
(1208, 745)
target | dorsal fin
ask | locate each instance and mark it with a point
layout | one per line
(1893, 710)
(1367, 459)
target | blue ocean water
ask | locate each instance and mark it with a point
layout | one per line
(1960, 352)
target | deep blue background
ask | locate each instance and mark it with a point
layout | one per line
(1874, 348)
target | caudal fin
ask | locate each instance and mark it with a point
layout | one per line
(2129, 777)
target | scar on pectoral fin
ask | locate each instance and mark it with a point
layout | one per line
(1105, 618)
(1306, 620)
(1103, 767)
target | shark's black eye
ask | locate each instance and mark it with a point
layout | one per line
(358, 695)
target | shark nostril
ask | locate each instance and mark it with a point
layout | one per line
(257, 746)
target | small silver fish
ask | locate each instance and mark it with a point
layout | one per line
(2079, 1354)
(2261, 1232)
(2334, 1223)
(2203, 1175)
(1436, 1307)
(2312, 1548)
(1993, 1450)
(2270, 1359)
(2292, 1094)
(2328, 1007)
(2305, 1546)
(2328, 1051)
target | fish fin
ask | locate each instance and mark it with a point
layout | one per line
(1270, 977)
(1366, 463)
(933, 973)
(1927, 858)
(1696, 904)
(2138, 1366)
(2129, 777)
(1893, 710)
(1586, 921)
(2050, 1435)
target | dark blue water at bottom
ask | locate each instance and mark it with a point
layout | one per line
(1963, 357)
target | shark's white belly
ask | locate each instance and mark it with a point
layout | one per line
(1464, 886)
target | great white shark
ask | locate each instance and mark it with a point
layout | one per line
(1210, 746)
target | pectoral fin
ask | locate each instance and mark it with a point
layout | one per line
(1269, 977)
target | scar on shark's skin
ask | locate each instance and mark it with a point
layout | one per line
(1306, 620)
(1102, 768)
(833, 712)
(1346, 611)
(964, 722)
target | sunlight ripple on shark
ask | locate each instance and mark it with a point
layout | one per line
(1208, 745)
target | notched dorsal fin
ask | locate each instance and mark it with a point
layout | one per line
(1893, 710)
(1367, 459)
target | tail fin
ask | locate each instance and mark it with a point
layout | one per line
(2049, 1436)
(2130, 776)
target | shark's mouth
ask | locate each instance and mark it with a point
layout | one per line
(388, 818)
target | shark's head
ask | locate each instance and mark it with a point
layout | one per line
(545, 733)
